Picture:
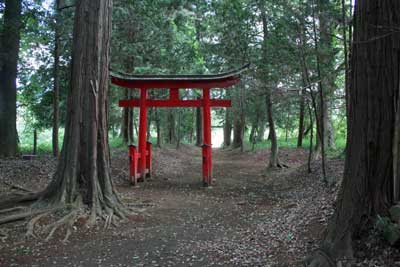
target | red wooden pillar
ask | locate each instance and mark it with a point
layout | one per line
(143, 132)
(133, 163)
(207, 146)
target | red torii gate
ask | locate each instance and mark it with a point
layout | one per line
(140, 161)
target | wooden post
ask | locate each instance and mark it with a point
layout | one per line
(207, 146)
(142, 132)
(133, 164)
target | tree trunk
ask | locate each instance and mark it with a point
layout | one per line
(9, 49)
(367, 187)
(125, 122)
(261, 131)
(199, 128)
(301, 119)
(287, 125)
(171, 127)
(192, 129)
(227, 128)
(56, 77)
(34, 151)
(274, 158)
(237, 132)
(178, 132)
(158, 128)
(149, 120)
(322, 116)
(255, 127)
(326, 54)
(253, 131)
(131, 122)
(83, 172)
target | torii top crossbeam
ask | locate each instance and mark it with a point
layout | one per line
(140, 161)
(179, 81)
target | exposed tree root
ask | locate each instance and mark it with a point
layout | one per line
(14, 186)
(11, 210)
(23, 216)
(108, 220)
(110, 209)
(31, 225)
(320, 259)
(67, 220)
(24, 199)
(278, 166)
(4, 234)
(327, 258)
(282, 165)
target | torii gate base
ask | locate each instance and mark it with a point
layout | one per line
(140, 159)
(135, 161)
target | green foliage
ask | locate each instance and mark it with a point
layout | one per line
(180, 36)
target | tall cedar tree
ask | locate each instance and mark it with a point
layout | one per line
(83, 171)
(367, 185)
(56, 77)
(9, 48)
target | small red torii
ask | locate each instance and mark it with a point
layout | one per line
(141, 160)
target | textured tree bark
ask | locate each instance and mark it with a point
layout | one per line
(83, 171)
(367, 188)
(274, 158)
(192, 129)
(199, 129)
(326, 54)
(237, 132)
(9, 49)
(34, 151)
(171, 127)
(321, 116)
(178, 132)
(158, 128)
(149, 120)
(261, 131)
(227, 128)
(301, 119)
(131, 122)
(253, 131)
(127, 129)
(56, 77)
(125, 122)
(396, 153)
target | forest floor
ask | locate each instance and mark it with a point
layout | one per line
(251, 216)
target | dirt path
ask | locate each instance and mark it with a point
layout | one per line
(250, 217)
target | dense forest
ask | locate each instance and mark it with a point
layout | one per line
(315, 115)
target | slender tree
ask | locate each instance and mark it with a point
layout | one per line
(9, 49)
(367, 187)
(56, 77)
(302, 105)
(274, 158)
(199, 129)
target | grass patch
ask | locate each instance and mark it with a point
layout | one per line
(291, 143)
